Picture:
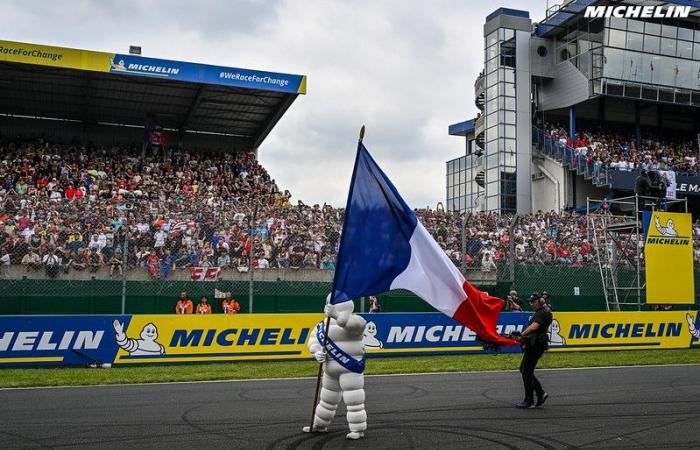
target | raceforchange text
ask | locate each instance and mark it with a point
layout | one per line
(253, 78)
(25, 341)
(637, 11)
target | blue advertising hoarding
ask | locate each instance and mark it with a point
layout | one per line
(204, 73)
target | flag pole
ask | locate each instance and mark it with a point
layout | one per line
(328, 319)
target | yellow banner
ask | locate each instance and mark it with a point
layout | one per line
(622, 330)
(165, 339)
(668, 253)
(47, 55)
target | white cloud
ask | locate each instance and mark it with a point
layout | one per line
(404, 68)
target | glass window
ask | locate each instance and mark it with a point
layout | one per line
(668, 46)
(685, 49)
(507, 75)
(652, 28)
(510, 102)
(509, 117)
(491, 79)
(669, 31)
(635, 41)
(616, 22)
(491, 134)
(491, 52)
(635, 25)
(492, 65)
(450, 166)
(617, 38)
(685, 33)
(509, 131)
(651, 44)
(491, 38)
(509, 89)
(492, 92)
(461, 164)
(696, 51)
(697, 35)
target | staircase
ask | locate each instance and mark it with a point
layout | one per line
(594, 172)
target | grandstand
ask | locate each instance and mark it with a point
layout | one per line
(573, 107)
(109, 98)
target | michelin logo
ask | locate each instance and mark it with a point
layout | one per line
(637, 11)
(555, 338)
(440, 333)
(668, 230)
(147, 345)
(369, 337)
(149, 69)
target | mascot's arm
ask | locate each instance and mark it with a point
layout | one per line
(354, 324)
(313, 345)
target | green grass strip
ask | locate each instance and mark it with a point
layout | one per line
(288, 369)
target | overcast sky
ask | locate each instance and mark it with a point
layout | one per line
(405, 69)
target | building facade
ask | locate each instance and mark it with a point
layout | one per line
(641, 74)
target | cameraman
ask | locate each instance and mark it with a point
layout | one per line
(513, 302)
(534, 341)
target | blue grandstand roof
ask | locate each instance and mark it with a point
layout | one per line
(508, 12)
(462, 128)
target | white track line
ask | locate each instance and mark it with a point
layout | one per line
(417, 374)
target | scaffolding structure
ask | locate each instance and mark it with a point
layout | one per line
(615, 227)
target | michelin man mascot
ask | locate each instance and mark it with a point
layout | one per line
(344, 366)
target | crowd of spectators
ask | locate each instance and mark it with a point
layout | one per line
(68, 207)
(619, 151)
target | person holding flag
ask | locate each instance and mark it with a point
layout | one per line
(384, 247)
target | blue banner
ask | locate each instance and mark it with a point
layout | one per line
(429, 334)
(204, 73)
(58, 340)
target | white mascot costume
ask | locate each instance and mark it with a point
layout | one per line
(344, 366)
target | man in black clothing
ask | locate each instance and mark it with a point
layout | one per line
(534, 342)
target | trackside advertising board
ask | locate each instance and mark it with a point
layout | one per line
(668, 253)
(135, 65)
(123, 340)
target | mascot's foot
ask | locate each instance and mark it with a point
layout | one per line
(316, 429)
(355, 435)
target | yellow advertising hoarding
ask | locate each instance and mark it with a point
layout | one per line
(668, 254)
(47, 55)
(574, 331)
(189, 338)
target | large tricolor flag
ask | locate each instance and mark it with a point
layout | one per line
(384, 247)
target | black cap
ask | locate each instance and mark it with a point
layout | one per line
(534, 298)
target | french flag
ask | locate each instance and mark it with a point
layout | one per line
(384, 247)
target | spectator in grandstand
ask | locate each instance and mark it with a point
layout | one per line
(52, 264)
(184, 304)
(203, 307)
(115, 262)
(32, 260)
(229, 305)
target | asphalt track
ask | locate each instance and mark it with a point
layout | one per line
(639, 407)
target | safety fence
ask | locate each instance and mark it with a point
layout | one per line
(145, 273)
(147, 339)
